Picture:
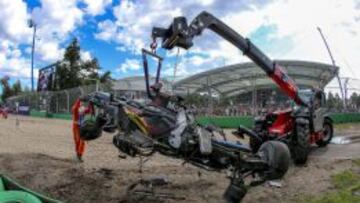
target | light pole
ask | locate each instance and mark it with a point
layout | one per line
(32, 25)
(343, 96)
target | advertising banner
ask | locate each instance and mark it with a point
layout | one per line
(46, 78)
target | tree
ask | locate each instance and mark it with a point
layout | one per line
(106, 77)
(355, 100)
(330, 100)
(16, 88)
(337, 102)
(73, 71)
(8, 90)
(68, 72)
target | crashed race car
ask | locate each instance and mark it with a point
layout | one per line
(166, 126)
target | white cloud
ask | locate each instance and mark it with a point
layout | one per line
(13, 21)
(49, 51)
(85, 55)
(55, 20)
(108, 30)
(121, 48)
(299, 19)
(14, 31)
(134, 21)
(96, 7)
(12, 63)
(129, 64)
(294, 25)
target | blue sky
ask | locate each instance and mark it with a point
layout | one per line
(114, 31)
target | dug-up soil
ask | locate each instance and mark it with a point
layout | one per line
(38, 153)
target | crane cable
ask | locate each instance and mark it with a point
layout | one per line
(176, 64)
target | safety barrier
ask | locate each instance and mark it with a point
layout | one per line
(224, 121)
(345, 117)
(248, 121)
(11, 191)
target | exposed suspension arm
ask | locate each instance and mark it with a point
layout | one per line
(180, 34)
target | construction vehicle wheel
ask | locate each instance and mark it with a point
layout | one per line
(300, 145)
(328, 131)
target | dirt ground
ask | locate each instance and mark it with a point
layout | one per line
(39, 154)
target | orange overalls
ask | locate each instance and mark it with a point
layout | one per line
(3, 113)
(77, 119)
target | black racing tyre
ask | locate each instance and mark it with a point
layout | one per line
(300, 144)
(90, 131)
(254, 144)
(328, 133)
(277, 155)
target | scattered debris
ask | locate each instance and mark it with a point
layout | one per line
(274, 183)
(147, 188)
(345, 139)
(340, 140)
(108, 173)
(356, 192)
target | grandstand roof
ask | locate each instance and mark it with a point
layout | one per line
(136, 83)
(241, 78)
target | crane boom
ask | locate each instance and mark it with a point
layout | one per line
(180, 34)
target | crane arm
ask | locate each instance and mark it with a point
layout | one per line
(180, 34)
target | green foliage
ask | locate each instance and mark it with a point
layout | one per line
(345, 179)
(334, 101)
(73, 71)
(8, 90)
(356, 162)
(336, 197)
(346, 183)
(16, 88)
(354, 100)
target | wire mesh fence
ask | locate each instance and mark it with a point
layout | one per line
(247, 104)
(55, 101)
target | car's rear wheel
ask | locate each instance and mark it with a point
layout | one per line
(277, 155)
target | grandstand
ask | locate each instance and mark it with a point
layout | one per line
(247, 86)
(250, 87)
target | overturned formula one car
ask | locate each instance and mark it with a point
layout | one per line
(143, 129)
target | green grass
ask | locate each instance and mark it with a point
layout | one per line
(356, 162)
(346, 183)
(343, 126)
(345, 179)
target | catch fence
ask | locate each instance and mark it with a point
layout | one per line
(249, 104)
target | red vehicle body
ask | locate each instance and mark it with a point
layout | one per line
(284, 124)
